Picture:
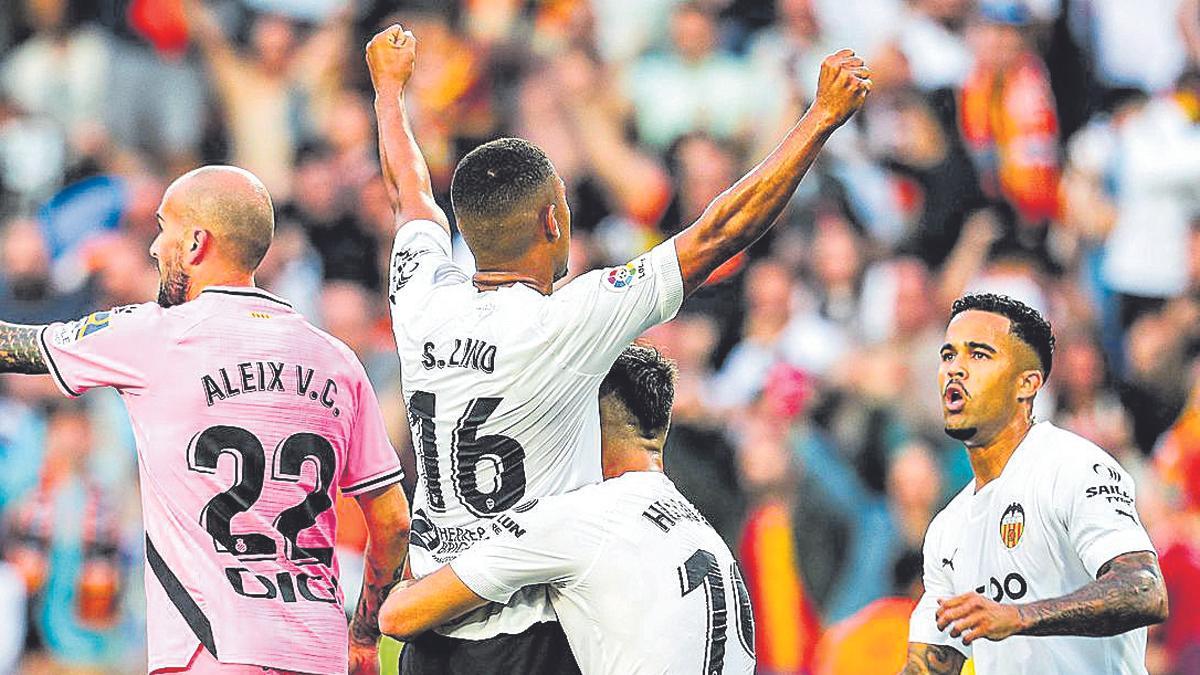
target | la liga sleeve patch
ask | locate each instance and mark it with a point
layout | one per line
(624, 277)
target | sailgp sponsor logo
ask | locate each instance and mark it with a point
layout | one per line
(1105, 471)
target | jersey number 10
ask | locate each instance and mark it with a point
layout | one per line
(468, 453)
(702, 570)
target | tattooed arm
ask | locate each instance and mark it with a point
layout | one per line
(1128, 593)
(19, 351)
(386, 513)
(932, 660)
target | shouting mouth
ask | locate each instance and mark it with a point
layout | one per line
(954, 398)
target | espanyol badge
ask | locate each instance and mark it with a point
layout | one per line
(1012, 525)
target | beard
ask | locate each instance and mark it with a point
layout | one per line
(173, 285)
(963, 434)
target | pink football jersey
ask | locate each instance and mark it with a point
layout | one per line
(247, 419)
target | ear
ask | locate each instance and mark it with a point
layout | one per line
(1029, 384)
(548, 219)
(196, 246)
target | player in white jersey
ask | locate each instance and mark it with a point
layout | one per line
(627, 562)
(247, 419)
(501, 370)
(1040, 565)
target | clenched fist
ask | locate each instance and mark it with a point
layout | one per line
(843, 86)
(390, 58)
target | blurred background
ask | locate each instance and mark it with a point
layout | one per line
(1047, 149)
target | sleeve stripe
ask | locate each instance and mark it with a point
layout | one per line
(391, 477)
(58, 378)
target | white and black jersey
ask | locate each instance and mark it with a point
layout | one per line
(640, 581)
(1059, 510)
(502, 390)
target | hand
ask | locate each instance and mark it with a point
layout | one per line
(364, 658)
(843, 86)
(390, 58)
(973, 616)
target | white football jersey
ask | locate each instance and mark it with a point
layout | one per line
(502, 389)
(641, 582)
(1059, 510)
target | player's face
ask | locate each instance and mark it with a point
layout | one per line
(978, 377)
(562, 247)
(167, 251)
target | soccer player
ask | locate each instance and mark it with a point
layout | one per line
(247, 418)
(500, 370)
(628, 561)
(1044, 549)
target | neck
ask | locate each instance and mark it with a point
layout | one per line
(234, 279)
(533, 270)
(640, 457)
(990, 458)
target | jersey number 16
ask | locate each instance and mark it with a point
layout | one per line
(469, 453)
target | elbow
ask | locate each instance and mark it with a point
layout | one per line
(1160, 610)
(1153, 595)
(398, 622)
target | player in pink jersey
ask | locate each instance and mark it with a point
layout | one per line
(247, 418)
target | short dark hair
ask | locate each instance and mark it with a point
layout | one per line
(644, 381)
(498, 177)
(1026, 323)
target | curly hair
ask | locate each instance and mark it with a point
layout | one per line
(1025, 322)
(644, 381)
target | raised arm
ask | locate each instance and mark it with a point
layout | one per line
(218, 52)
(926, 659)
(741, 214)
(390, 57)
(19, 352)
(1128, 593)
(386, 515)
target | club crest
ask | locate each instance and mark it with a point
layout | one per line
(1012, 525)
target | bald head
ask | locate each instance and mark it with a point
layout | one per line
(229, 202)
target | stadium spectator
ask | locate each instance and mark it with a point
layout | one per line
(261, 92)
(1007, 114)
(672, 92)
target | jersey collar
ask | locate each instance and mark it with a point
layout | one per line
(247, 292)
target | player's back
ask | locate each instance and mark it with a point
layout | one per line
(691, 606)
(639, 580)
(247, 418)
(502, 388)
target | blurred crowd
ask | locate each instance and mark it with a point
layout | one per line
(1046, 149)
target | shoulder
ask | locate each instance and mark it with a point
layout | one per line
(1061, 449)
(420, 237)
(123, 318)
(615, 280)
(951, 514)
(338, 352)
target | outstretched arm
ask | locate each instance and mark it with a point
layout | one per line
(390, 57)
(419, 606)
(926, 659)
(745, 211)
(1128, 593)
(386, 515)
(19, 352)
